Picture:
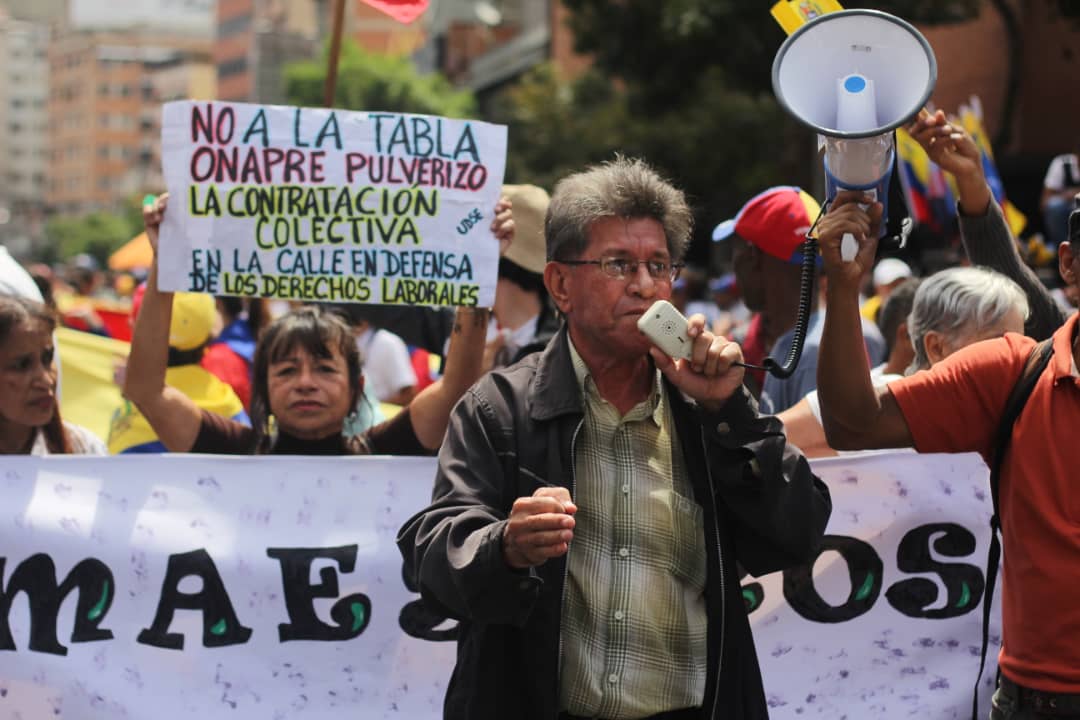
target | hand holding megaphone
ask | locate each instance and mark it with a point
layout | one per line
(849, 246)
(847, 217)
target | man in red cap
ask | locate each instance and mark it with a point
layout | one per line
(767, 236)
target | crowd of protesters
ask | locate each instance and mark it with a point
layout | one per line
(211, 349)
(543, 401)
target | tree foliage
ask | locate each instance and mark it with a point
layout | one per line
(712, 147)
(678, 39)
(556, 127)
(370, 81)
(684, 83)
(97, 234)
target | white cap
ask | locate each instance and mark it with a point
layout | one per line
(889, 271)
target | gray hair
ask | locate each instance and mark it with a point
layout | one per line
(620, 188)
(959, 301)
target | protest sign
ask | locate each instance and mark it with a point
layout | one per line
(329, 205)
(181, 586)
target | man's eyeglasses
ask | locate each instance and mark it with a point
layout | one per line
(621, 268)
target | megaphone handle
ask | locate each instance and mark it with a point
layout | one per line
(849, 247)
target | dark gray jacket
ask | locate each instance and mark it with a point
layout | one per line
(988, 242)
(513, 433)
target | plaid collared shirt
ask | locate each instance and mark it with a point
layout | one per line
(633, 620)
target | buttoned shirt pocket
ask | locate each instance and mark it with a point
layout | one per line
(687, 551)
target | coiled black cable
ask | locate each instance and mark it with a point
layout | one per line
(802, 320)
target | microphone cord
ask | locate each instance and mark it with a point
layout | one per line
(802, 321)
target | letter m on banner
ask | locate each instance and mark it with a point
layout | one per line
(36, 577)
(404, 11)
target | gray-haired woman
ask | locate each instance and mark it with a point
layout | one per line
(952, 309)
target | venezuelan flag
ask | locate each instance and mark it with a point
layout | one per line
(87, 365)
(914, 168)
(792, 14)
(130, 431)
(971, 120)
(929, 196)
(89, 395)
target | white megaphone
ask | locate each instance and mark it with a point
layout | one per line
(854, 76)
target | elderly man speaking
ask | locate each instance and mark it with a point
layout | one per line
(595, 502)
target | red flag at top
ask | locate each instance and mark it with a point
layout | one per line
(404, 11)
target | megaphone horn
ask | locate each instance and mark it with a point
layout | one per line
(854, 73)
(854, 76)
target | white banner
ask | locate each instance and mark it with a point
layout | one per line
(890, 625)
(249, 539)
(181, 586)
(330, 205)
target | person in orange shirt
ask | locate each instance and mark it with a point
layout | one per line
(957, 406)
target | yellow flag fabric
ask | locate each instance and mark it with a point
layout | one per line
(911, 152)
(793, 14)
(89, 397)
(88, 394)
(869, 309)
(130, 431)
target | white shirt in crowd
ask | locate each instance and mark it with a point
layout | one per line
(83, 442)
(387, 366)
(513, 340)
(879, 379)
(1064, 171)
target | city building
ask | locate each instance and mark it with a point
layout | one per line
(36, 11)
(256, 39)
(375, 31)
(105, 108)
(24, 83)
(483, 45)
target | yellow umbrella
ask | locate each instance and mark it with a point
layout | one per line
(135, 254)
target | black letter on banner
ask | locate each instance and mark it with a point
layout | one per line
(963, 583)
(220, 625)
(419, 620)
(864, 570)
(36, 576)
(351, 613)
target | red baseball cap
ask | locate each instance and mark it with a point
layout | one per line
(775, 220)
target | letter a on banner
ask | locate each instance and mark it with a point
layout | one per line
(404, 11)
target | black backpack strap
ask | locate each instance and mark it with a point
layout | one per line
(1033, 368)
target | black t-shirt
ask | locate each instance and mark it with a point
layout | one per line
(222, 436)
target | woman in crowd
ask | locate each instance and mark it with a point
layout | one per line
(306, 381)
(952, 309)
(30, 421)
